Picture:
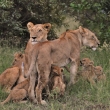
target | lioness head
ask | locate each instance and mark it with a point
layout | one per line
(38, 32)
(85, 62)
(18, 58)
(89, 38)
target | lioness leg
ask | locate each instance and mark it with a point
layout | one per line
(73, 72)
(31, 87)
(43, 78)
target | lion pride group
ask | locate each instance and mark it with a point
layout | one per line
(17, 82)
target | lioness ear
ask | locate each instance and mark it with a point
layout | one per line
(47, 26)
(81, 29)
(30, 25)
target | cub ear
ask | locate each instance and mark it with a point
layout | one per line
(91, 63)
(81, 29)
(47, 26)
(30, 25)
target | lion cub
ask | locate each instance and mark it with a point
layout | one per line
(19, 62)
(8, 78)
(99, 73)
(88, 71)
(20, 91)
(13, 74)
(56, 81)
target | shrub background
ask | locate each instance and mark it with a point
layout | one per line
(15, 14)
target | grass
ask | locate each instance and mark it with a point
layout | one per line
(81, 96)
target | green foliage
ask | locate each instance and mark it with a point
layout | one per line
(95, 15)
(15, 14)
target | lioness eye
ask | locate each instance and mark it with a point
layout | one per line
(93, 37)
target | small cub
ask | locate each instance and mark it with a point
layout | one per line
(99, 73)
(88, 71)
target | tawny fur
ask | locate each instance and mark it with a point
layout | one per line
(56, 80)
(15, 73)
(100, 74)
(58, 52)
(20, 91)
(9, 77)
(38, 33)
(88, 72)
(19, 62)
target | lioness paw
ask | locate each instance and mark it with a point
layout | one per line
(43, 102)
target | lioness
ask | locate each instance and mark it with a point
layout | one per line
(88, 72)
(38, 33)
(59, 52)
(20, 91)
(99, 73)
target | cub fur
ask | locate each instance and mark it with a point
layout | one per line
(100, 74)
(21, 90)
(13, 74)
(19, 62)
(18, 93)
(56, 80)
(9, 77)
(88, 72)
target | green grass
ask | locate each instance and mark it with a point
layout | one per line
(81, 96)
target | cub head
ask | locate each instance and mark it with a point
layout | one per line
(57, 71)
(85, 62)
(38, 32)
(89, 38)
(99, 73)
(58, 86)
(98, 70)
(18, 58)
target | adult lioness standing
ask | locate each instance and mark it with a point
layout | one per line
(38, 33)
(59, 52)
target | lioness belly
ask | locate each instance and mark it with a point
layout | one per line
(61, 63)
